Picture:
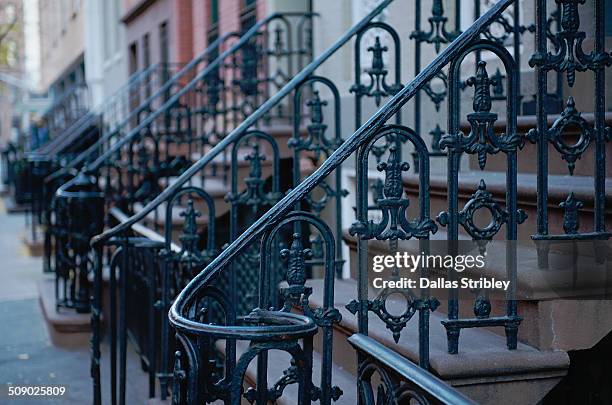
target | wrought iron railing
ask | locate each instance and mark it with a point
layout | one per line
(69, 107)
(67, 137)
(56, 158)
(183, 119)
(130, 168)
(394, 225)
(195, 331)
(397, 379)
(211, 312)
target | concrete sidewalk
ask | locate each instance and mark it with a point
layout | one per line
(27, 356)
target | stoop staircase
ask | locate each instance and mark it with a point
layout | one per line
(269, 289)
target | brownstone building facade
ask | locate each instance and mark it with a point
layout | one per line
(159, 31)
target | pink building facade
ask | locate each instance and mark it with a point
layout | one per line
(178, 30)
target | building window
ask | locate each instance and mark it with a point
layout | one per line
(163, 43)
(146, 60)
(164, 55)
(146, 51)
(213, 31)
(133, 55)
(248, 14)
(214, 11)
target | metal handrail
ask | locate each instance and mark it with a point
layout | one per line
(350, 145)
(240, 129)
(422, 379)
(135, 112)
(62, 97)
(172, 100)
(135, 78)
(189, 86)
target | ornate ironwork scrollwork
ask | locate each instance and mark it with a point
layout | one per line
(395, 323)
(481, 140)
(394, 224)
(570, 57)
(571, 218)
(482, 199)
(189, 238)
(390, 389)
(254, 196)
(378, 87)
(296, 257)
(569, 118)
(290, 376)
(437, 35)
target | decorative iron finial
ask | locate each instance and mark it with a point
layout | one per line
(278, 39)
(393, 169)
(316, 110)
(190, 215)
(179, 375)
(377, 50)
(437, 8)
(296, 256)
(255, 158)
(394, 224)
(481, 139)
(570, 17)
(571, 219)
(482, 88)
(189, 238)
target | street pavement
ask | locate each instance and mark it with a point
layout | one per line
(27, 356)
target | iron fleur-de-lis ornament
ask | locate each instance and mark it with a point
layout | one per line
(570, 57)
(482, 139)
(394, 225)
(189, 237)
(571, 217)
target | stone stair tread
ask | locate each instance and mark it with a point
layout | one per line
(280, 360)
(558, 185)
(527, 122)
(558, 281)
(63, 321)
(482, 353)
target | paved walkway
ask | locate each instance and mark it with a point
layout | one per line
(27, 355)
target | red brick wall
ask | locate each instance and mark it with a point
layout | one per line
(261, 10)
(187, 25)
(200, 25)
(182, 31)
(229, 16)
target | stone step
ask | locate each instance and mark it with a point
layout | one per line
(484, 370)
(527, 157)
(66, 327)
(559, 188)
(33, 246)
(545, 295)
(12, 207)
